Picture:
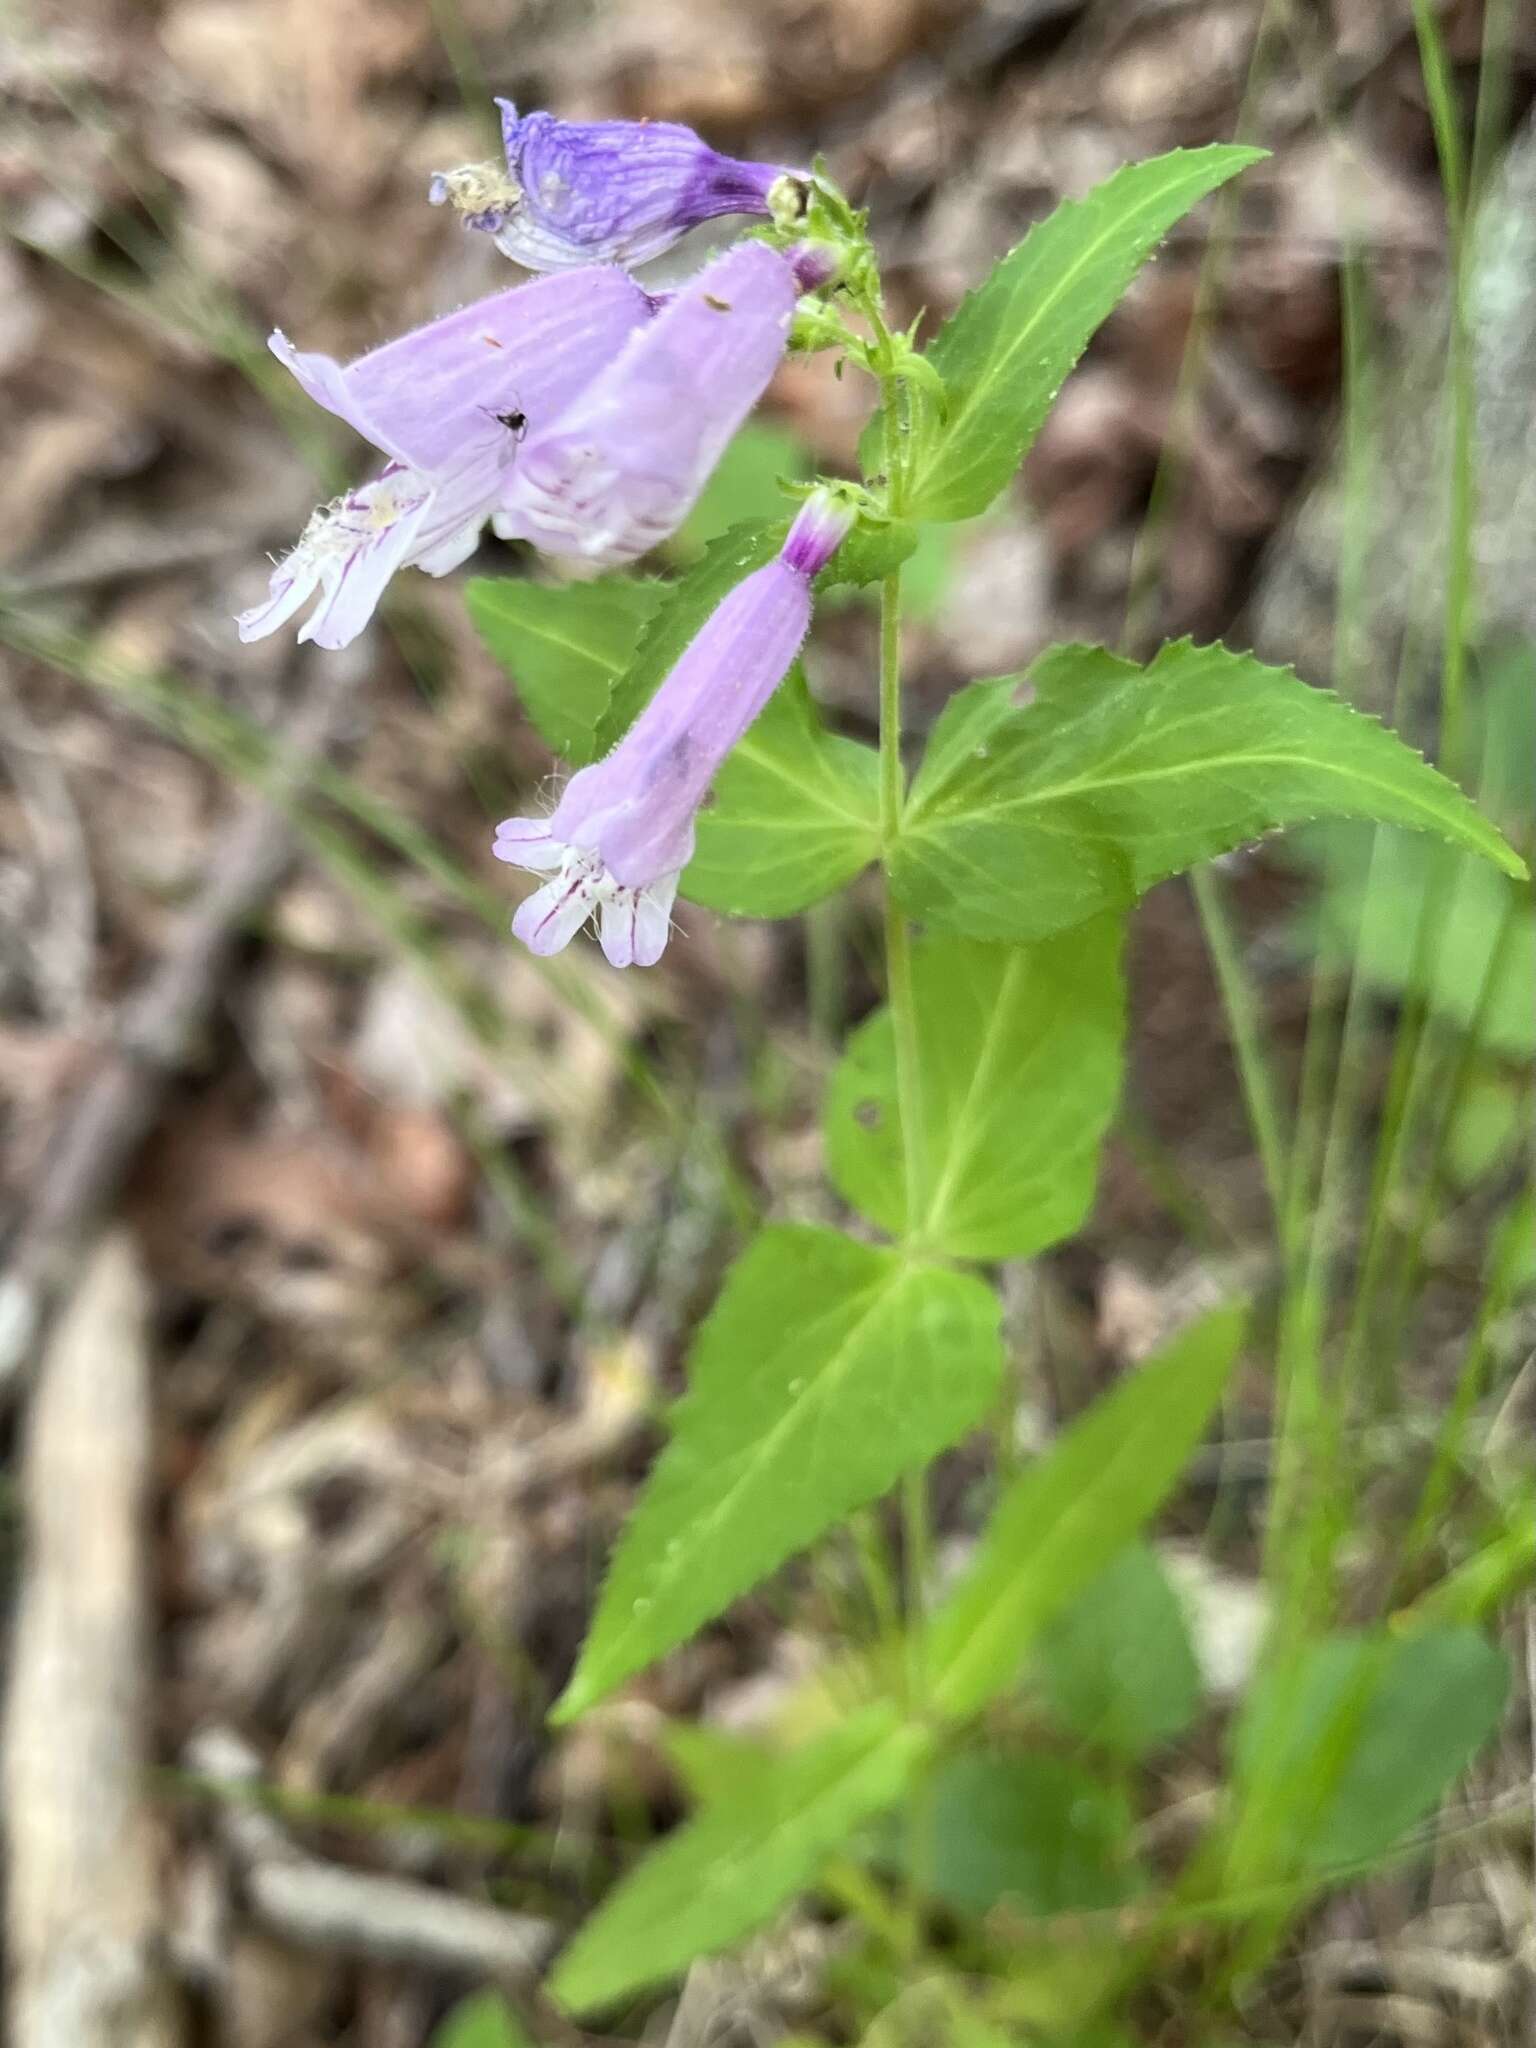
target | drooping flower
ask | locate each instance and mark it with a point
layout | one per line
(623, 830)
(449, 405)
(575, 192)
(620, 469)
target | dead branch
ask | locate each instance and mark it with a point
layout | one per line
(82, 1909)
(324, 1906)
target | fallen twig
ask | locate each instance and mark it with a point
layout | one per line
(325, 1906)
(82, 1911)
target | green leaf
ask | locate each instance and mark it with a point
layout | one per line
(1026, 818)
(563, 645)
(1336, 1757)
(683, 610)
(1007, 351)
(1019, 1064)
(795, 814)
(1491, 1123)
(825, 1370)
(483, 2020)
(1117, 1667)
(935, 2009)
(1062, 1521)
(734, 1866)
(1039, 1832)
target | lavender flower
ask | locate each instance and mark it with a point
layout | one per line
(623, 830)
(621, 468)
(599, 191)
(449, 405)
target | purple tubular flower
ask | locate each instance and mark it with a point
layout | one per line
(449, 405)
(623, 830)
(620, 469)
(599, 191)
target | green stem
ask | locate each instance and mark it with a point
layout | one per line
(1247, 1031)
(1408, 1085)
(916, 1527)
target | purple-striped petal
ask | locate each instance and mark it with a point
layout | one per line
(574, 192)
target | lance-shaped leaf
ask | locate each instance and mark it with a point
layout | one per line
(826, 1370)
(563, 645)
(1341, 1750)
(1061, 1522)
(1019, 1063)
(795, 814)
(1006, 352)
(736, 1864)
(1029, 816)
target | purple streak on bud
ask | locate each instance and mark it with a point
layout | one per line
(821, 526)
(621, 469)
(450, 405)
(623, 830)
(599, 191)
(815, 264)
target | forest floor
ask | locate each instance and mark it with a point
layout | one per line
(412, 1253)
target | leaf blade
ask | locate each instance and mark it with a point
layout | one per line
(1337, 1755)
(1118, 776)
(1006, 352)
(1019, 1053)
(1063, 1520)
(795, 815)
(731, 1868)
(826, 1369)
(563, 645)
